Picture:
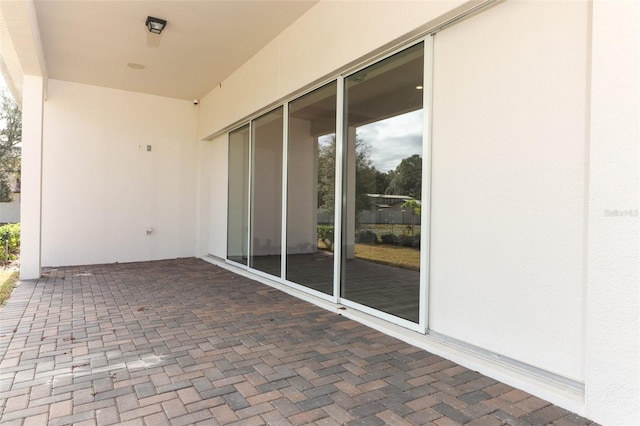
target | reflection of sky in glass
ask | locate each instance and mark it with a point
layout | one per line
(393, 139)
(326, 140)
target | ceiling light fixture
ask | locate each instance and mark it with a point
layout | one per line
(419, 87)
(359, 78)
(155, 25)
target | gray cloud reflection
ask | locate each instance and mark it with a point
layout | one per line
(393, 139)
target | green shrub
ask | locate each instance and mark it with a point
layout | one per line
(366, 236)
(325, 234)
(389, 239)
(406, 240)
(10, 232)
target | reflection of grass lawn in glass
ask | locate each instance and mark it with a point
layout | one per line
(402, 257)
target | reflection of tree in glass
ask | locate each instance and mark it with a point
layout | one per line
(365, 176)
(407, 178)
(414, 205)
(369, 180)
(326, 173)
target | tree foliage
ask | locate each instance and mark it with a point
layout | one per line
(365, 176)
(414, 205)
(406, 179)
(327, 174)
(369, 180)
(10, 139)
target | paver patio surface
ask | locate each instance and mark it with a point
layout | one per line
(183, 342)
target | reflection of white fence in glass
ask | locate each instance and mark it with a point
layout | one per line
(385, 209)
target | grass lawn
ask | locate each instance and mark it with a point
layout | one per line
(7, 284)
(403, 257)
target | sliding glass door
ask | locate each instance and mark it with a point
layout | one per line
(311, 159)
(238, 198)
(368, 171)
(266, 193)
(383, 185)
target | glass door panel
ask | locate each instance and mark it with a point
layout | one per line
(238, 196)
(266, 193)
(382, 185)
(311, 188)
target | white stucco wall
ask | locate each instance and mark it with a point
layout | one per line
(102, 189)
(508, 183)
(31, 184)
(206, 169)
(558, 281)
(217, 182)
(613, 262)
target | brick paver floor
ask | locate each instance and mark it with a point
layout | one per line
(183, 342)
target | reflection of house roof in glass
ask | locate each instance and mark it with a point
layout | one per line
(393, 197)
(386, 201)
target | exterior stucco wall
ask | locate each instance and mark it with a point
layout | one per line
(31, 184)
(218, 181)
(613, 237)
(102, 189)
(508, 183)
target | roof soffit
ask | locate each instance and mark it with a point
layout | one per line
(92, 42)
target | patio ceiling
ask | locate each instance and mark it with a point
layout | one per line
(93, 42)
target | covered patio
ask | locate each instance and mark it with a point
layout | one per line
(184, 342)
(257, 130)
